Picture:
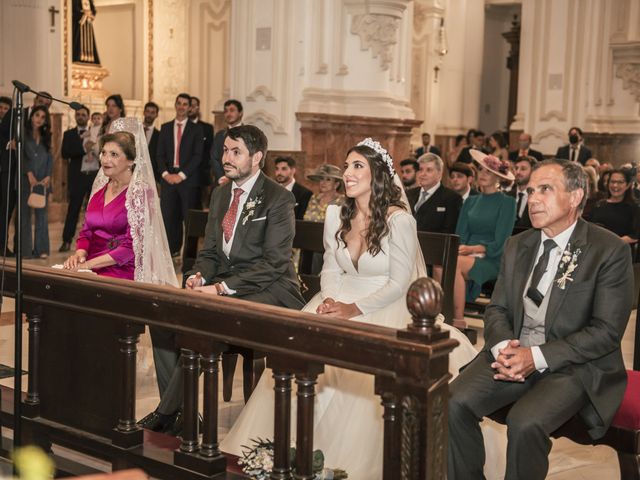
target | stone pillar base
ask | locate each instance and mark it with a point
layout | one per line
(326, 138)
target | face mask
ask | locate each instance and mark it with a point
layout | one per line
(523, 145)
(574, 138)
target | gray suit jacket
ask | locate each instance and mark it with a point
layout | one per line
(259, 267)
(585, 321)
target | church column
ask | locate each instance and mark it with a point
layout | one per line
(460, 76)
(319, 76)
(572, 73)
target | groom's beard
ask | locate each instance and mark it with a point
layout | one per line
(236, 173)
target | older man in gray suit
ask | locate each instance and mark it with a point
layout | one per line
(552, 332)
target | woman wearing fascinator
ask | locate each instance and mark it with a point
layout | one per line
(123, 234)
(371, 258)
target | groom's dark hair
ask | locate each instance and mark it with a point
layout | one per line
(254, 139)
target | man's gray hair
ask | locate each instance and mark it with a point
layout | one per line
(432, 157)
(574, 176)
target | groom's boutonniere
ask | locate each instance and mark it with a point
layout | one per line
(250, 206)
(568, 263)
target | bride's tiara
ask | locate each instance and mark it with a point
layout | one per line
(371, 143)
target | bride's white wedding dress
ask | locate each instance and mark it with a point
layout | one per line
(348, 425)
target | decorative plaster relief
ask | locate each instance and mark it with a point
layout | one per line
(630, 75)
(264, 117)
(261, 90)
(378, 33)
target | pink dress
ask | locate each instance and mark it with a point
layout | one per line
(106, 230)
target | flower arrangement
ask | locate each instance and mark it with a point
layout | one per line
(250, 206)
(257, 462)
(568, 263)
(494, 163)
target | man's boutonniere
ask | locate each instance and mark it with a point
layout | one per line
(568, 263)
(250, 206)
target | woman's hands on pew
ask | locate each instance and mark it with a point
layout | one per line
(338, 309)
(76, 261)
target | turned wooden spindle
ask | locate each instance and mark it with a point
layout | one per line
(35, 321)
(282, 427)
(191, 371)
(304, 426)
(210, 367)
(128, 351)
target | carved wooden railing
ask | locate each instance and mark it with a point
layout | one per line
(410, 368)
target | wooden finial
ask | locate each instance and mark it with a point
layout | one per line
(424, 302)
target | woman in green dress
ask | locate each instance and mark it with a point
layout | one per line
(484, 224)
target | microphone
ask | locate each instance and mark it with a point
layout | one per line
(24, 88)
(76, 105)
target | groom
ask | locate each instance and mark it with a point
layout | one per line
(246, 254)
(552, 332)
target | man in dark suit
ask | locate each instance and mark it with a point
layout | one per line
(476, 142)
(285, 175)
(152, 134)
(461, 180)
(524, 149)
(79, 180)
(5, 106)
(434, 206)
(522, 168)
(427, 147)
(207, 139)
(246, 253)
(233, 118)
(552, 332)
(575, 151)
(178, 156)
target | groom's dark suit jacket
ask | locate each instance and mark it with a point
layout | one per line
(585, 321)
(259, 267)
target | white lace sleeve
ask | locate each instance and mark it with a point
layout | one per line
(403, 247)
(331, 275)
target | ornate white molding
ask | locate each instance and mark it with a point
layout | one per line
(264, 117)
(261, 90)
(630, 75)
(378, 33)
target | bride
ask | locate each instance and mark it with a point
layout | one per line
(371, 257)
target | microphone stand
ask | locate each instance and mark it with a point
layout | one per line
(17, 374)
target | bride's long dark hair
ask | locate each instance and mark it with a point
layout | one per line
(384, 194)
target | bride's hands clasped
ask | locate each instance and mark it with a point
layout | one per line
(338, 309)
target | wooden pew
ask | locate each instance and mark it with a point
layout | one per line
(82, 364)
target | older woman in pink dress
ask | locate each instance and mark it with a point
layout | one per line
(104, 244)
(123, 234)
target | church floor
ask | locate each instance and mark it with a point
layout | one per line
(568, 461)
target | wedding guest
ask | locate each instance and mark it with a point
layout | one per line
(485, 223)
(619, 213)
(426, 146)
(207, 142)
(79, 181)
(178, 157)
(459, 143)
(575, 151)
(552, 334)
(113, 234)
(408, 171)
(524, 149)
(285, 175)
(151, 133)
(329, 180)
(5, 106)
(233, 112)
(522, 171)
(595, 195)
(461, 179)
(476, 142)
(115, 109)
(498, 146)
(38, 167)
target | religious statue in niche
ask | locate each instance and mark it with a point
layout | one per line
(85, 49)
